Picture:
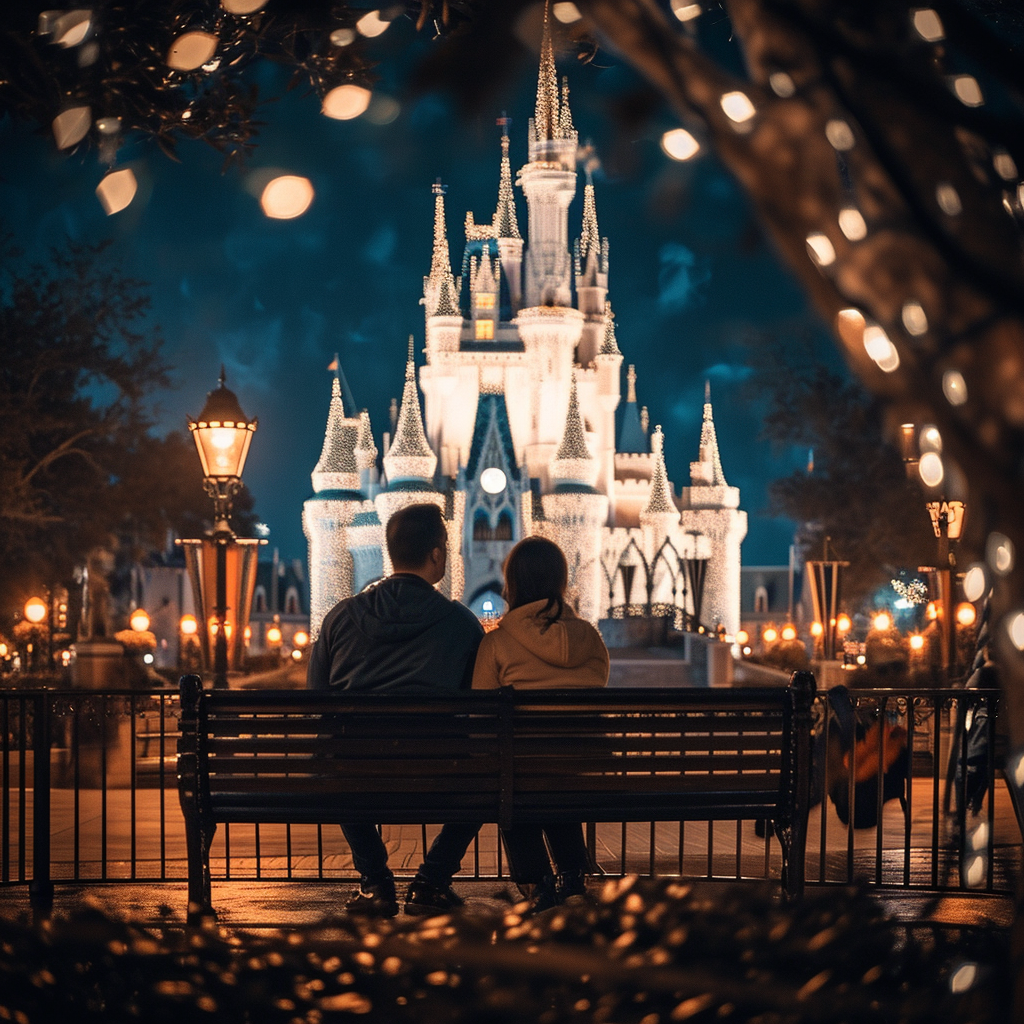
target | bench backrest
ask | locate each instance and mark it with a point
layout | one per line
(613, 755)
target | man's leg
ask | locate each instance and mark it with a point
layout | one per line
(528, 860)
(568, 847)
(444, 857)
(376, 882)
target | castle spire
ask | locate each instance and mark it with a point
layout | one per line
(505, 223)
(410, 456)
(546, 119)
(336, 469)
(590, 238)
(610, 347)
(573, 461)
(565, 125)
(365, 450)
(660, 502)
(439, 285)
(631, 384)
(709, 456)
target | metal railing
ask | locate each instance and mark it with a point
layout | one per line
(88, 792)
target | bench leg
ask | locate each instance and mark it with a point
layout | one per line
(198, 840)
(792, 841)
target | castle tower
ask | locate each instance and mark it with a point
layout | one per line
(506, 227)
(659, 515)
(575, 512)
(338, 519)
(410, 464)
(608, 363)
(549, 183)
(591, 254)
(711, 509)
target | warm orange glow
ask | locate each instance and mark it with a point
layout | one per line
(301, 638)
(843, 624)
(287, 196)
(742, 637)
(817, 629)
(932, 611)
(484, 330)
(296, 655)
(35, 610)
(188, 625)
(248, 633)
(916, 642)
(770, 635)
(3, 650)
(882, 621)
(274, 635)
(789, 632)
(345, 102)
(139, 620)
(966, 614)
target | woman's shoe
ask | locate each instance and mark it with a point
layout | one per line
(572, 885)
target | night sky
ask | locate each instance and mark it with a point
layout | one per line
(690, 277)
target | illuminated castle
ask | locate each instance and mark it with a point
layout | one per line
(516, 436)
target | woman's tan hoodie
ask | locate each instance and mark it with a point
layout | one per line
(525, 652)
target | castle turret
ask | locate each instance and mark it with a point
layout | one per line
(506, 228)
(711, 508)
(608, 363)
(410, 458)
(575, 512)
(591, 278)
(659, 515)
(440, 293)
(331, 516)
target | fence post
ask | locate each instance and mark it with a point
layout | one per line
(40, 889)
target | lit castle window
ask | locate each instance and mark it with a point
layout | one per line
(485, 329)
(485, 300)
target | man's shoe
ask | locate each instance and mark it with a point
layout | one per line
(545, 896)
(572, 885)
(426, 898)
(373, 901)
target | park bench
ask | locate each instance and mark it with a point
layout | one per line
(318, 757)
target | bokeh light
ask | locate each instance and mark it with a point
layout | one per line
(286, 197)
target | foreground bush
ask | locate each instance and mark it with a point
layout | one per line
(641, 953)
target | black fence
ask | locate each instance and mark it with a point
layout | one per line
(88, 792)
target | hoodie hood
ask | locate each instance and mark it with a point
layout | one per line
(399, 609)
(565, 643)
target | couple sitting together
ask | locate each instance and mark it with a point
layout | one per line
(403, 637)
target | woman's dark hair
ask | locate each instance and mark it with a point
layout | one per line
(536, 570)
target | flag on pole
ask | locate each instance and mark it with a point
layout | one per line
(334, 365)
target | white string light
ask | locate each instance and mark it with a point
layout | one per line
(839, 134)
(967, 90)
(345, 102)
(821, 249)
(954, 387)
(852, 223)
(999, 553)
(680, 144)
(931, 469)
(782, 85)
(737, 107)
(914, 320)
(948, 199)
(927, 24)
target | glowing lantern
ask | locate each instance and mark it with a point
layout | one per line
(274, 635)
(191, 50)
(770, 635)
(301, 638)
(117, 190)
(966, 613)
(679, 144)
(287, 197)
(35, 610)
(139, 620)
(789, 632)
(188, 625)
(817, 629)
(882, 621)
(345, 102)
(916, 642)
(843, 624)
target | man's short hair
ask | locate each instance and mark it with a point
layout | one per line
(413, 532)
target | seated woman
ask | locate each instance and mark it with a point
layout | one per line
(541, 644)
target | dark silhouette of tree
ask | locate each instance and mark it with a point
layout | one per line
(79, 466)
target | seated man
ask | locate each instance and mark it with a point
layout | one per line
(402, 636)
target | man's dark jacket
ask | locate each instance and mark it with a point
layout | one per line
(402, 636)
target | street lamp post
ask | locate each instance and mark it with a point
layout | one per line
(222, 433)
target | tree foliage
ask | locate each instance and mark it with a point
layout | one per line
(854, 491)
(79, 466)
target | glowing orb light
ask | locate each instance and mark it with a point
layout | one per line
(286, 197)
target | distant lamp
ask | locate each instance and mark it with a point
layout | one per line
(742, 637)
(789, 632)
(770, 635)
(139, 620)
(3, 649)
(817, 629)
(493, 480)
(882, 621)
(35, 610)
(274, 635)
(188, 625)
(296, 655)
(843, 624)
(916, 642)
(966, 613)
(301, 638)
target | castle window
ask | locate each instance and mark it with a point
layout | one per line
(291, 602)
(761, 601)
(484, 330)
(503, 531)
(482, 528)
(260, 600)
(485, 300)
